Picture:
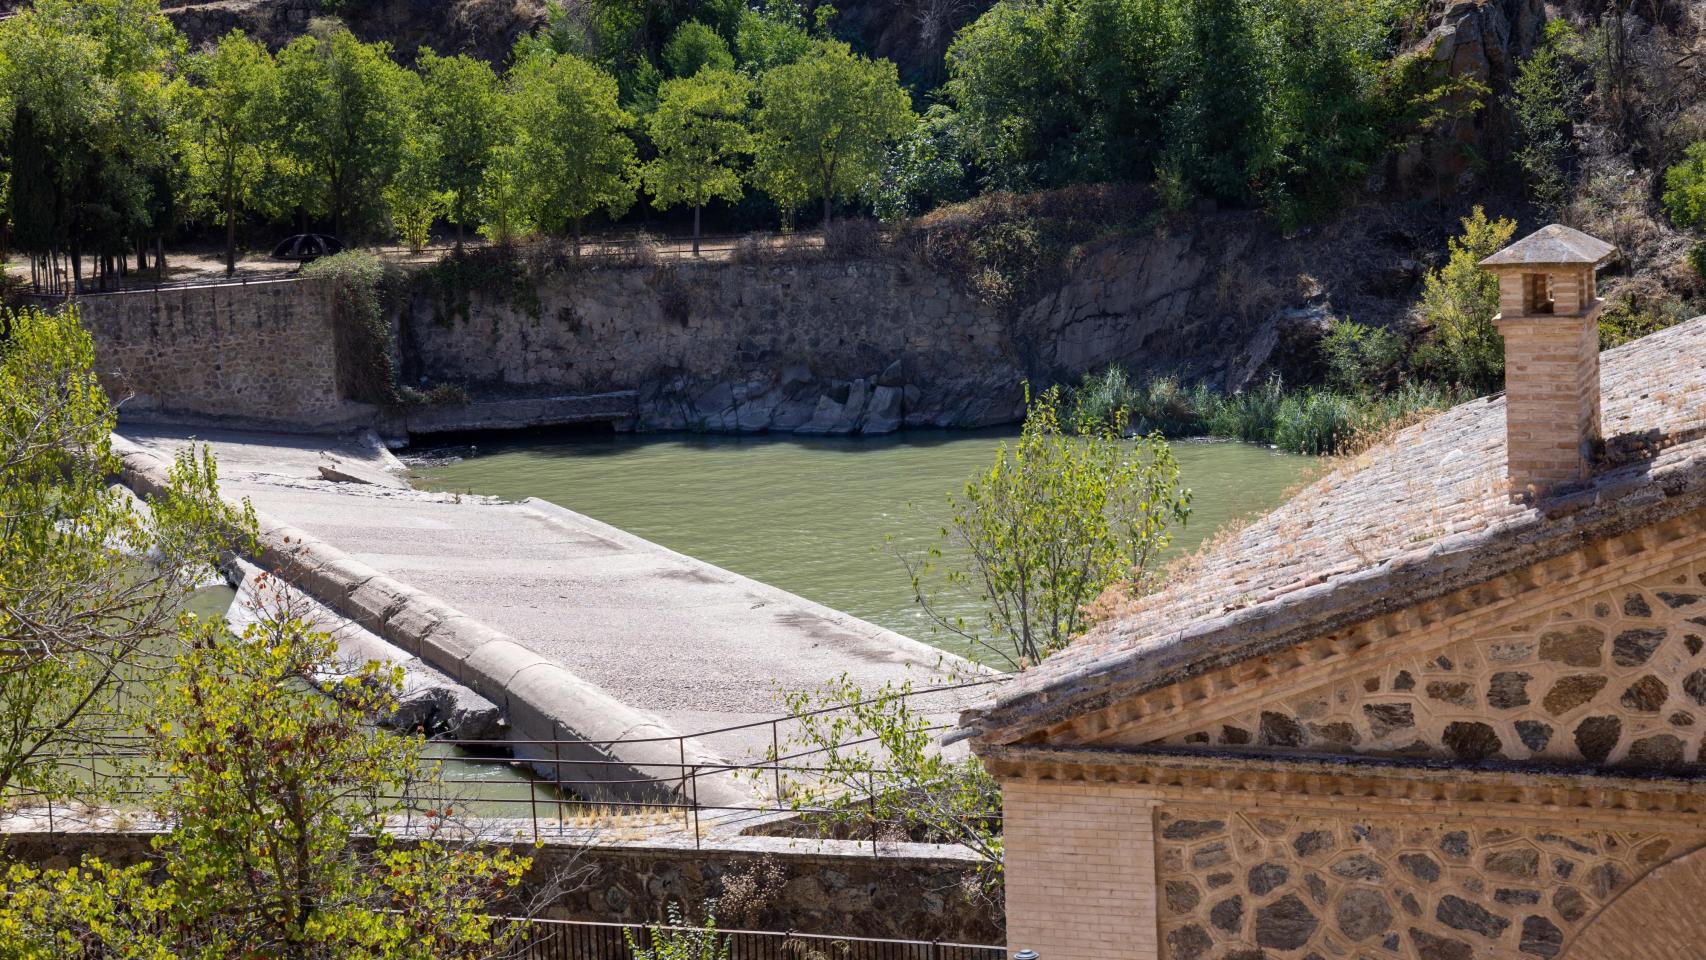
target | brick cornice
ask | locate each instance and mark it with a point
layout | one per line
(1529, 791)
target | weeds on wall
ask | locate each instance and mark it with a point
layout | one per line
(366, 349)
(1004, 249)
(497, 272)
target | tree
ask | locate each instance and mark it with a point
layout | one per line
(825, 122)
(1685, 199)
(1061, 517)
(1685, 189)
(463, 112)
(91, 75)
(699, 129)
(574, 151)
(695, 47)
(877, 768)
(503, 201)
(1459, 301)
(342, 110)
(80, 612)
(1546, 96)
(228, 107)
(282, 802)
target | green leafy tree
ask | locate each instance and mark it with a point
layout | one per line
(930, 166)
(80, 613)
(1546, 97)
(1459, 302)
(696, 47)
(699, 129)
(825, 122)
(503, 201)
(343, 110)
(1062, 516)
(879, 771)
(227, 105)
(282, 800)
(97, 175)
(1219, 122)
(465, 118)
(575, 154)
(274, 782)
(1685, 189)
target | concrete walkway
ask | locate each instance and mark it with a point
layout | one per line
(692, 645)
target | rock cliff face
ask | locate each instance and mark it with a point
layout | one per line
(867, 346)
(1481, 42)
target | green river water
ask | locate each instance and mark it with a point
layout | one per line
(810, 516)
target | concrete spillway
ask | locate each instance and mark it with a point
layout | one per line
(580, 631)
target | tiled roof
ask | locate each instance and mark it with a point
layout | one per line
(1414, 518)
(1555, 245)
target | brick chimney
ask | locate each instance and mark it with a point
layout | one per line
(1549, 316)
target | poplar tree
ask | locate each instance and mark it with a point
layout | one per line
(227, 104)
(825, 123)
(699, 129)
(575, 154)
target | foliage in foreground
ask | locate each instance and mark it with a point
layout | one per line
(1065, 513)
(677, 940)
(280, 801)
(882, 773)
(81, 609)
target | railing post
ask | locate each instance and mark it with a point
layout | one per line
(695, 806)
(557, 770)
(776, 758)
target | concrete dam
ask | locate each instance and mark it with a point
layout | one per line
(622, 669)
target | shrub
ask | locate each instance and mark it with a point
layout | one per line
(366, 367)
(1685, 189)
(1459, 301)
(1361, 357)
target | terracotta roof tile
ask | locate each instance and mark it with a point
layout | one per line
(1416, 517)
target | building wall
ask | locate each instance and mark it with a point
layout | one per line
(1459, 886)
(1617, 678)
(1080, 869)
(261, 354)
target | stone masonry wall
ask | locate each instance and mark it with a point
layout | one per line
(1239, 884)
(838, 888)
(1617, 678)
(252, 354)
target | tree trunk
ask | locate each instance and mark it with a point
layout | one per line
(826, 209)
(159, 258)
(578, 238)
(230, 236)
(459, 233)
(696, 208)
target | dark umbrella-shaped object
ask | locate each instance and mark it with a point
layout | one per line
(307, 246)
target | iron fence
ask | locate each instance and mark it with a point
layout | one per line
(546, 793)
(588, 940)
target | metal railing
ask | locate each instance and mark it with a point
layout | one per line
(532, 783)
(588, 940)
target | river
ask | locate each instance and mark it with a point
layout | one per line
(822, 518)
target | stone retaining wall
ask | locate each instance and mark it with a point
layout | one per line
(258, 354)
(909, 891)
(838, 345)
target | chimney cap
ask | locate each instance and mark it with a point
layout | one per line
(1553, 246)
